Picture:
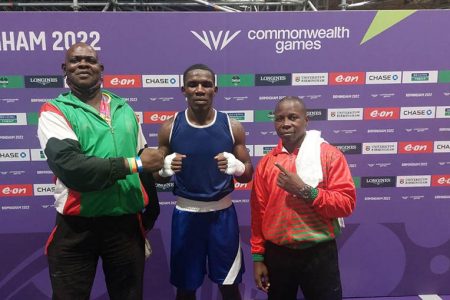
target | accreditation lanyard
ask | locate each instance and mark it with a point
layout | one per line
(105, 108)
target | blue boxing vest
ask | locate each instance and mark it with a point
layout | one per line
(200, 178)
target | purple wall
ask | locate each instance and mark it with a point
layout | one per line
(385, 102)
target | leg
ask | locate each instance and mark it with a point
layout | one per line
(122, 253)
(283, 278)
(185, 295)
(321, 278)
(230, 292)
(72, 258)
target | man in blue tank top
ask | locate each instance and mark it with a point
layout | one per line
(204, 150)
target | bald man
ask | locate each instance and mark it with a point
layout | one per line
(97, 152)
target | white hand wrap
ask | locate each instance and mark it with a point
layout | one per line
(234, 166)
(167, 171)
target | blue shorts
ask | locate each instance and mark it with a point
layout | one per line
(205, 238)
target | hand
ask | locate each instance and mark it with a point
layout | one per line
(229, 164)
(152, 160)
(261, 276)
(289, 181)
(172, 164)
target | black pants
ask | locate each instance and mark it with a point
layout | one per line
(315, 270)
(77, 243)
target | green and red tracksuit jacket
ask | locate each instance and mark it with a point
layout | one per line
(86, 154)
(290, 221)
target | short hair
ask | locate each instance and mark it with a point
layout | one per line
(292, 99)
(199, 67)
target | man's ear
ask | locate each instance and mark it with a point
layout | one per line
(63, 67)
(183, 90)
(102, 67)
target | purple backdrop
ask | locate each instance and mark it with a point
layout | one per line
(385, 102)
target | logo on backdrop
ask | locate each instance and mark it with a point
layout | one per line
(338, 114)
(161, 81)
(414, 181)
(423, 112)
(383, 77)
(215, 41)
(16, 190)
(272, 79)
(379, 148)
(442, 111)
(381, 113)
(346, 78)
(241, 115)
(317, 114)
(261, 150)
(122, 81)
(378, 181)
(349, 148)
(309, 78)
(441, 146)
(440, 180)
(48, 81)
(420, 76)
(415, 147)
(157, 117)
(13, 119)
(14, 155)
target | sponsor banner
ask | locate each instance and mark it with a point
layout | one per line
(264, 116)
(273, 79)
(378, 181)
(442, 112)
(414, 181)
(44, 189)
(317, 114)
(347, 148)
(381, 113)
(309, 78)
(384, 77)
(261, 150)
(344, 114)
(11, 82)
(415, 147)
(379, 148)
(38, 155)
(441, 147)
(419, 112)
(16, 190)
(444, 76)
(440, 180)
(241, 115)
(420, 76)
(122, 81)
(7, 155)
(8, 119)
(160, 81)
(158, 117)
(236, 80)
(44, 81)
(346, 78)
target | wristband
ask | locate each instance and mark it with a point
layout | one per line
(132, 164)
(140, 167)
(307, 192)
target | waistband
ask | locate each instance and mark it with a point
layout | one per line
(202, 206)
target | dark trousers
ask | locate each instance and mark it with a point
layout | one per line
(315, 270)
(76, 245)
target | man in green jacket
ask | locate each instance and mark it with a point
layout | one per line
(92, 138)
